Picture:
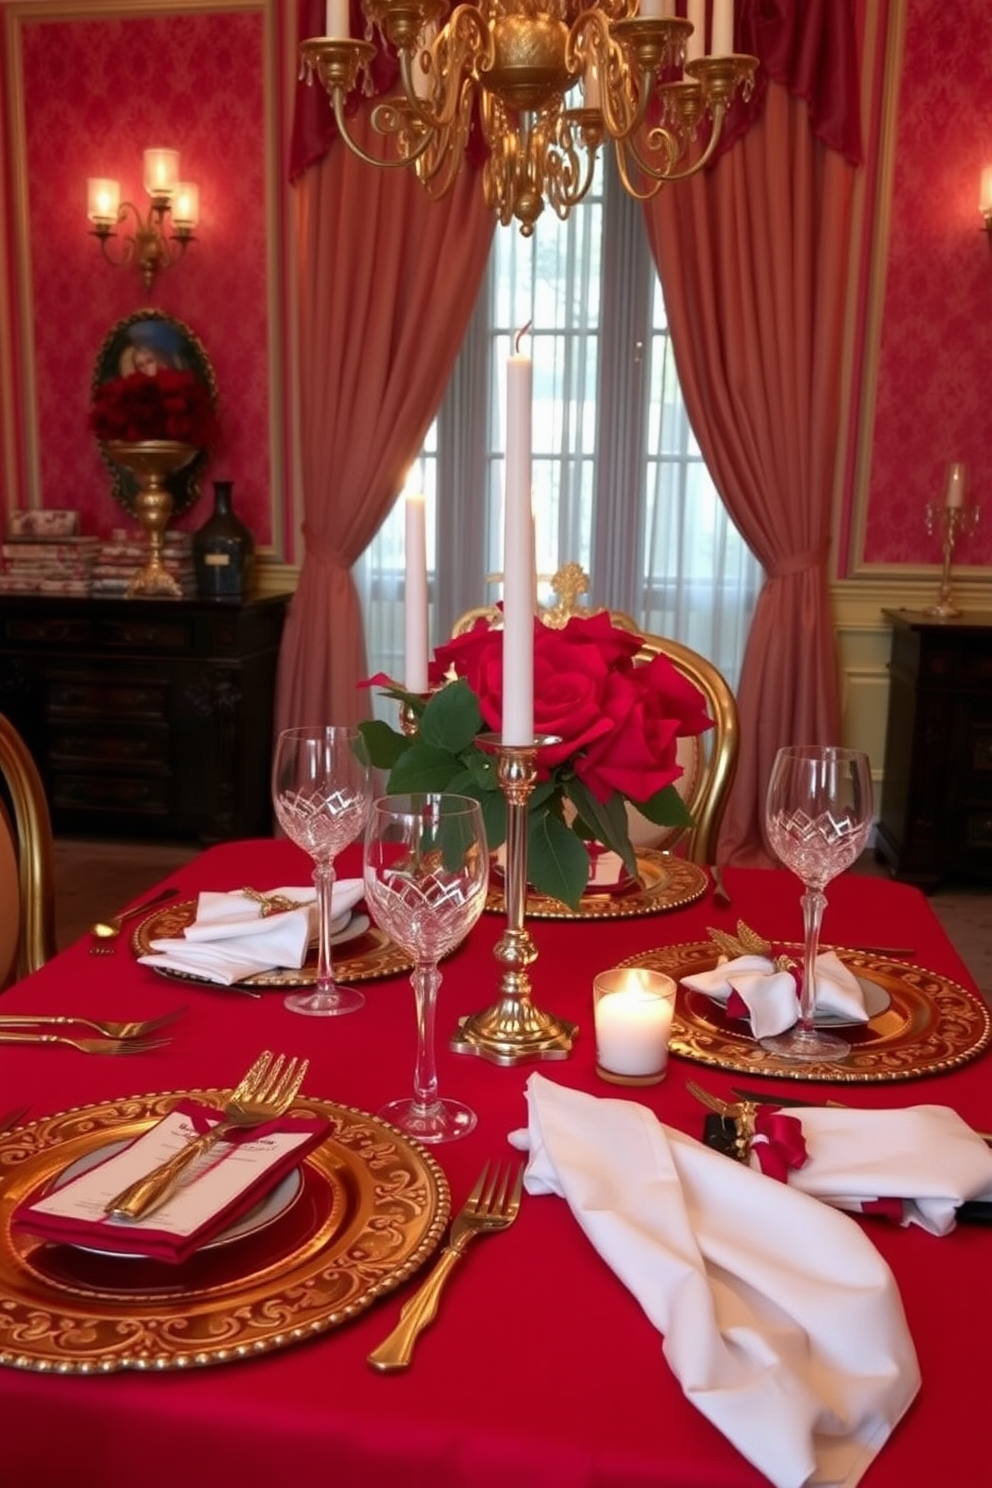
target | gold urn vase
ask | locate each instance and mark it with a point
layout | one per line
(151, 461)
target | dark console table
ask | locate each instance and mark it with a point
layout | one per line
(937, 801)
(147, 717)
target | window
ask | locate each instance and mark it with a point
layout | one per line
(619, 482)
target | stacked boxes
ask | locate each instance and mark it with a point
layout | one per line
(44, 554)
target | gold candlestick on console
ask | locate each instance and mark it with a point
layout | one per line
(956, 521)
(513, 1030)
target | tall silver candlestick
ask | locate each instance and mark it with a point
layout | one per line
(512, 1030)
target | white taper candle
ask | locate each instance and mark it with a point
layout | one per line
(415, 595)
(695, 47)
(337, 18)
(722, 44)
(518, 558)
(957, 484)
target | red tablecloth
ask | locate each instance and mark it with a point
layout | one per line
(541, 1369)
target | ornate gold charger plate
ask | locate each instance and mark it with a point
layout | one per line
(929, 1025)
(363, 959)
(664, 882)
(374, 1207)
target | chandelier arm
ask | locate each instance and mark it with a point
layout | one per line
(623, 102)
(459, 52)
(356, 149)
(620, 148)
(716, 129)
(439, 166)
(664, 139)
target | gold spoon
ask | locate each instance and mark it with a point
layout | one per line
(110, 929)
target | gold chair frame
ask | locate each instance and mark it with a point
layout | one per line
(32, 832)
(714, 754)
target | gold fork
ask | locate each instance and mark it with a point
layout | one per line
(110, 1030)
(492, 1205)
(732, 1109)
(266, 1091)
(87, 1045)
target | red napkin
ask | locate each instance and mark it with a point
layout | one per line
(202, 1207)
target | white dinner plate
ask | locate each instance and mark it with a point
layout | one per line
(268, 1209)
(356, 926)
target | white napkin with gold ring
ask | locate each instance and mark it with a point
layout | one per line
(925, 1157)
(232, 937)
(780, 1319)
(769, 993)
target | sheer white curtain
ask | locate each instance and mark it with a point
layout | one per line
(619, 483)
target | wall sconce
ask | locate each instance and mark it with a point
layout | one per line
(985, 200)
(148, 246)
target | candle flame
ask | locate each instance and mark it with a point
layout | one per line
(520, 335)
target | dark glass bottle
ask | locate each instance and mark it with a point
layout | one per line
(223, 550)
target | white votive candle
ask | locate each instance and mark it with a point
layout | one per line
(415, 595)
(957, 484)
(633, 1017)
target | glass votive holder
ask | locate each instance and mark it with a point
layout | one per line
(633, 1010)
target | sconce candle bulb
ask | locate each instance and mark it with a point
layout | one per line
(985, 199)
(147, 246)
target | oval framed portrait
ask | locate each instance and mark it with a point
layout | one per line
(147, 342)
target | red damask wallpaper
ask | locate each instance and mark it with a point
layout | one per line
(934, 394)
(97, 92)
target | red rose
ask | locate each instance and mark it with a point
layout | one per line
(650, 708)
(169, 405)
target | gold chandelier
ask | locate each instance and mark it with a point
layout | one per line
(646, 84)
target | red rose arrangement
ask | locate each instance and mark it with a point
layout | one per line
(167, 405)
(617, 722)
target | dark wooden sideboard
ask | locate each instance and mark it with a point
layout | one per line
(936, 814)
(147, 717)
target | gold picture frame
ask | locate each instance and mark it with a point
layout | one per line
(144, 342)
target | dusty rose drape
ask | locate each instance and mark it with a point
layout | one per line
(754, 260)
(387, 281)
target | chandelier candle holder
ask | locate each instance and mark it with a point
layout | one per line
(512, 1030)
(646, 81)
(952, 519)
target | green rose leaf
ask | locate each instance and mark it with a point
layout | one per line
(423, 768)
(603, 821)
(666, 808)
(494, 815)
(482, 769)
(451, 719)
(384, 744)
(557, 862)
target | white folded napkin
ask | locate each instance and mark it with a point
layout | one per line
(770, 995)
(230, 939)
(926, 1158)
(780, 1319)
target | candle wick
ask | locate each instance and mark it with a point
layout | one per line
(520, 335)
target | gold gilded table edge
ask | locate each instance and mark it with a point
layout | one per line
(22, 1144)
(744, 1056)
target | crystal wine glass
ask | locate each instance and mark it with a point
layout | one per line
(321, 790)
(818, 814)
(426, 877)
